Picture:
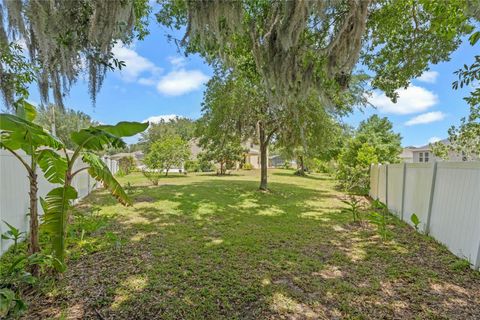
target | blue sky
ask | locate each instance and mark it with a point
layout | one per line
(159, 81)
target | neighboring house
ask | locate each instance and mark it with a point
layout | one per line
(407, 154)
(424, 154)
(137, 156)
(195, 148)
(252, 153)
(277, 161)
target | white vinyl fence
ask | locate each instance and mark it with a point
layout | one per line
(444, 195)
(14, 188)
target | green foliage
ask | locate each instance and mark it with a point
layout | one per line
(379, 217)
(13, 234)
(100, 172)
(11, 304)
(440, 150)
(354, 206)
(373, 142)
(192, 166)
(247, 166)
(126, 164)
(167, 153)
(415, 220)
(224, 151)
(62, 122)
(460, 265)
(182, 127)
(55, 206)
(205, 165)
(57, 202)
(17, 73)
(152, 175)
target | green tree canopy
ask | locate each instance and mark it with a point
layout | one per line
(169, 152)
(373, 142)
(179, 126)
(62, 122)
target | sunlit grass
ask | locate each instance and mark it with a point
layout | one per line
(208, 247)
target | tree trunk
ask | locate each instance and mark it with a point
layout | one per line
(263, 157)
(166, 172)
(221, 168)
(302, 166)
(34, 246)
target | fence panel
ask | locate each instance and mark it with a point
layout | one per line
(455, 219)
(14, 188)
(447, 191)
(395, 188)
(418, 184)
(374, 181)
(382, 183)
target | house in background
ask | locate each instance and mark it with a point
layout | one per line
(277, 161)
(406, 155)
(137, 156)
(424, 154)
(252, 153)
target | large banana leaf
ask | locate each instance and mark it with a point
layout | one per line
(55, 207)
(99, 170)
(124, 128)
(26, 110)
(105, 136)
(53, 165)
(18, 133)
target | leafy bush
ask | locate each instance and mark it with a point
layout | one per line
(152, 175)
(354, 206)
(126, 164)
(247, 166)
(206, 165)
(287, 165)
(192, 166)
(374, 142)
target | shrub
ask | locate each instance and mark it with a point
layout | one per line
(126, 165)
(152, 175)
(206, 165)
(192, 166)
(247, 166)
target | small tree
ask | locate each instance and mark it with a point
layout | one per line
(18, 133)
(225, 153)
(60, 169)
(373, 142)
(126, 164)
(165, 154)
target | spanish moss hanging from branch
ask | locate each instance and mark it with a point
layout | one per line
(69, 38)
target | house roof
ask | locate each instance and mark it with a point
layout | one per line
(427, 146)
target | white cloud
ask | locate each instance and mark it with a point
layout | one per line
(178, 82)
(411, 100)
(434, 139)
(164, 117)
(424, 118)
(428, 76)
(177, 61)
(136, 65)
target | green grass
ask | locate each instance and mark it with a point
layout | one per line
(208, 247)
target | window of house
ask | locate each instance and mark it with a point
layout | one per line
(426, 157)
(420, 157)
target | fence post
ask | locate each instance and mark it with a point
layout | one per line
(430, 203)
(404, 182)
(378, 179)
(386, 185)
(476, 265)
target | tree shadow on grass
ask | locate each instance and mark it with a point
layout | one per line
(219, 249)
(306, 176)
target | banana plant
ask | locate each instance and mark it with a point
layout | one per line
(18, 132)
(60, 169)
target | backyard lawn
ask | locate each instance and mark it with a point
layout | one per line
(208, 247)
